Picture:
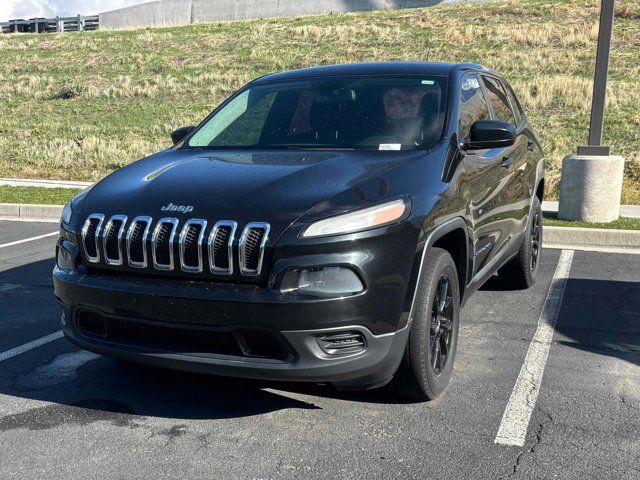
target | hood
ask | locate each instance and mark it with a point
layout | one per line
(275, 187)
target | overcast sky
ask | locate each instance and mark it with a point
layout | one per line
(50, 8)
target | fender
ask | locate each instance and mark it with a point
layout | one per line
(439, 232)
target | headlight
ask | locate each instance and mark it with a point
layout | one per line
(364, 219)
(66, 213)
(64, 258)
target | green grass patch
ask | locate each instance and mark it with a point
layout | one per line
(550, 220)
(36, 195)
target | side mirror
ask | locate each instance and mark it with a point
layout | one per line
(490, 134)
(180, 133)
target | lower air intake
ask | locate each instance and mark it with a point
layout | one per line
(183, 339)
(92, 324)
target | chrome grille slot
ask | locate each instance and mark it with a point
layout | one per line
(111, 239)
(90, 232)
(137, 241)
(191, 245)
(162, 243)
(221, 247)
(252, 242)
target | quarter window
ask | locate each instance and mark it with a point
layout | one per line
(473, 105)
(499, 102)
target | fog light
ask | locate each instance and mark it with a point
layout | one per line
(64, 259)
(322, 281)
(341, 343)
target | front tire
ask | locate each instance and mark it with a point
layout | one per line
(427, 365)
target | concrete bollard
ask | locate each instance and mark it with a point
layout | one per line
(590, 188)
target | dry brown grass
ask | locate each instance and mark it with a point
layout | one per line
(84, 104)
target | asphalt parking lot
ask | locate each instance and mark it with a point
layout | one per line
(66, 413)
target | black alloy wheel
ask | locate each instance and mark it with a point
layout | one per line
(441, 325)
(536, 240)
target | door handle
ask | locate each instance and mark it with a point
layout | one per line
(506, 162)
(531, 146)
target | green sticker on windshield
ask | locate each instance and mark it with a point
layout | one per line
(428, 82)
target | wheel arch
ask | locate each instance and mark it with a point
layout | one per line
(452, 236)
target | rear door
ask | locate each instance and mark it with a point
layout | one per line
(485, 175)
(513, 211)
(528, 159)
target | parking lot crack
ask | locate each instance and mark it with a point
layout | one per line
(532, 449)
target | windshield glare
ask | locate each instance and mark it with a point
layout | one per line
(387, 112)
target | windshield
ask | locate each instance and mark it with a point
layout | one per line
(388, 112)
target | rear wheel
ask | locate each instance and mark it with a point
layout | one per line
(521, 271)
(427, 365)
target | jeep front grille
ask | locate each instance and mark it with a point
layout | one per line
(190, 243)
(90, 232)
(146, 244)
(137, 241)
(221, 247)
(252, 242)
(162, 243)
(112, 238)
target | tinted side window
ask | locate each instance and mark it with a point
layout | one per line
(473, 105)
(517, 109)
(499, 101)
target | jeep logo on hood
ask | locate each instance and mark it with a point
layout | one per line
(177, 208)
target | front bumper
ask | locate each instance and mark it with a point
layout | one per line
(204, 309)
(372, 367)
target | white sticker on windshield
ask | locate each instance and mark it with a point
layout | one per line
(390, 146)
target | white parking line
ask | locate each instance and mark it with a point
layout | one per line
(515, 421)
(18, 242)
(30, 346)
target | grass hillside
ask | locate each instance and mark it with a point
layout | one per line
(79, 105)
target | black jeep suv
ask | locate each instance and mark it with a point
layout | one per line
(323, 225)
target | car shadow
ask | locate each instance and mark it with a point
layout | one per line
(495, 283)
(600, 316)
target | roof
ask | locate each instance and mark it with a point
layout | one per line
(373, 68)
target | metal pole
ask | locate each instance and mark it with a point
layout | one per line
(595, 146)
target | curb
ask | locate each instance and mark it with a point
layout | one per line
(598, 239)
(627, 211)
(25, 182)
(30, 212)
